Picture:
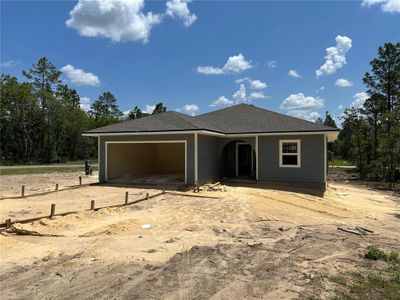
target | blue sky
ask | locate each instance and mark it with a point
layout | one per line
(190, 54)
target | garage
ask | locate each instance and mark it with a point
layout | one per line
(153, 162)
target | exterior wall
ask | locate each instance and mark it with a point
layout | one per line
(208, 163)
(311, 172)
(162, 137)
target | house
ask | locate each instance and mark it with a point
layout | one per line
(237, 141)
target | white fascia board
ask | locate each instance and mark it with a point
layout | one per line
(205, 132)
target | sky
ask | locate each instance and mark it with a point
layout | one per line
(300, 58)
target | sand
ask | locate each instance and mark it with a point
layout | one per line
(249, 243)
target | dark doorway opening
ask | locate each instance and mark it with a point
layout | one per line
(244, 160)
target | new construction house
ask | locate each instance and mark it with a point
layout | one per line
(239, 141)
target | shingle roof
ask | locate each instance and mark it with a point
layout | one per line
(241, 118)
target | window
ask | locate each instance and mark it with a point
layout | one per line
(289, 153)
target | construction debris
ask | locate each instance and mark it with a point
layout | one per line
(357, 231)
(213, 187)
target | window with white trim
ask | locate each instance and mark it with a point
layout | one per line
(289, 153)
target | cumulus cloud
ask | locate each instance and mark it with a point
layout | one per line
(240, 95)
(301, 106)
(242, 80)
(335, 57)
(341, 82)
(118, 20)
(392, 6)
(359, 99)
(80, 77)
(179, 9)
(294, 73)
(9, 64)
(149, 109)
(191, 109)
(258, 85)
(221, 101)
(257, 95)
(85, 103)
(234, 64)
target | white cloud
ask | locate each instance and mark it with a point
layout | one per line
(322, 88)
(271, 64)
(234, 64)
(340, 107)
(149, 109)
(294, 73)
(258, 85)
(9, 64)
(80, 77)
(300, 106)
(392, 6)
(341, 82)
(304, 114)
(118, 20)
(240, 95)
(244, 79)
(191, 108)
(359, 99)
(221, 101)
(335, 57)
(84, 103)
(257, 95)
(179, 9)
(299, 101)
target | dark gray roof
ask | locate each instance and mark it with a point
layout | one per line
(241, 118)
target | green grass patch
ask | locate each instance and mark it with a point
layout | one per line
(372, 281)
(342, 162)
(30, 170)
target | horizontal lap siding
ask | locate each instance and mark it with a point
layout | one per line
(312, 159)
(208, 163)
(164, 137)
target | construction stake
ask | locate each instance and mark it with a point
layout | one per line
(52, 210)
(56, 186)
(80, 180)
(163, 190)
(92, 203)
(126, 198)
(23, 191)
(147, 196)
(8, 223)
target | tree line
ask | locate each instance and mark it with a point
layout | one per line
(41, 119)
(370, 135)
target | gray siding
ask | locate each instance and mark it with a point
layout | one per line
(311, 172)
(208, 147)
(167, 137)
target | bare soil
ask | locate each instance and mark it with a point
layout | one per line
(251, 242)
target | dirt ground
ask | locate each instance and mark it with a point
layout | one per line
(248, 243)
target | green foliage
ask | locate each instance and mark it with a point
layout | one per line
(136, 113)
(370, 135)
(374, 253)
(160, 108)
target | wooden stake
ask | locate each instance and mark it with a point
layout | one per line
(126, 198)
(52, 210)
(92, 204)
(8, 223)
(56, 186)
(147, 196)
(23, 191)
(80, 180)
(163, 190)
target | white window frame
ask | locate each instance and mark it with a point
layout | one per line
(298, 154)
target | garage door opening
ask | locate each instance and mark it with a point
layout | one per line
(146, 162)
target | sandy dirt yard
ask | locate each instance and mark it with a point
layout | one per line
(245, 243)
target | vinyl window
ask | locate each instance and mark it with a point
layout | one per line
(289, 153)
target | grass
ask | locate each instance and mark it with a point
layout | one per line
(341, 162)
(30, 170)
(374, 281)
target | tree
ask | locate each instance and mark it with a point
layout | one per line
(329, 121)
(319, 121)
(160, 108)
(105, 110)
(136, 113)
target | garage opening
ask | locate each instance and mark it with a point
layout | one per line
(146, 162)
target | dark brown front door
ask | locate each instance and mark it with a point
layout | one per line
(244, 160)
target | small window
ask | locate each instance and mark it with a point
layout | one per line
(289, 153)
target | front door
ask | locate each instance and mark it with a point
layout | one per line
(244, 160)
